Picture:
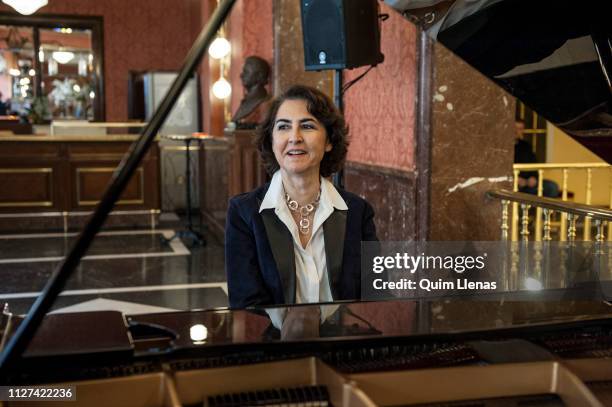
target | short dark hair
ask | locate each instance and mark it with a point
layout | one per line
(323, 109)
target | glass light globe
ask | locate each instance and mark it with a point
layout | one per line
(219, 48)
(26, 7)
(222, 89)
(63, 57)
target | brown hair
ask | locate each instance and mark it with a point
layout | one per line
(323, 109)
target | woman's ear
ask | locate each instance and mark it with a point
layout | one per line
(328, 147)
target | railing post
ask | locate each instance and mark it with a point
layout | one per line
(599, 239)
(610, 206)
(515, 214)
(562, 236)
(538, 222)
(589, 190)
(546, 245)
(571, 229)
(504, 222)
(547, 226)
(525, 222)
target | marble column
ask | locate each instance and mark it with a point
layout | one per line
(472, 150)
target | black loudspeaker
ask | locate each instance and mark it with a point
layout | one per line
(340, 34)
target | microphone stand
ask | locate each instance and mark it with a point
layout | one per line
(27, 329)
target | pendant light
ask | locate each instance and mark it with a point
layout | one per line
(26, 7)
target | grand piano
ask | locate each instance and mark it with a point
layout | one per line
(519, 345)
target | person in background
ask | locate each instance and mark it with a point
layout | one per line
(4, 106)
(528, 180)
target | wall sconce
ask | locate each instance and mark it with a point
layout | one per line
(26, 7)
(219, 51)
(222, 88)
(52, 67)
(82, 67)
(219, 48)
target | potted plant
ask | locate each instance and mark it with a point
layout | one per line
(38, 114)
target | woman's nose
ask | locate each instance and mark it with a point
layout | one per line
(295, 136)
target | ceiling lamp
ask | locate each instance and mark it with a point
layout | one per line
(26, 7)
(63, 57)
(222, 88)
(219, 48)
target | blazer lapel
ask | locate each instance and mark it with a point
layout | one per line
(281, 244)
(334, 229)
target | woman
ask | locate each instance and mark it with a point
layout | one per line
(297, 239)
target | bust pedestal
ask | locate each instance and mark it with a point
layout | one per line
(229, 165)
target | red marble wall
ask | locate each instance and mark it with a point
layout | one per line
(380, 108)
(139, 35)
(250, 33)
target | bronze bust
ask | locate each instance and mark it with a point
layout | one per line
(255, 75)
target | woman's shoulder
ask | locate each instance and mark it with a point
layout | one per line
(354, 201)
(249, 200)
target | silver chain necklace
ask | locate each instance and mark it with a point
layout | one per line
(304, 211)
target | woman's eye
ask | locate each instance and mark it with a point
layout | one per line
(282, 127)
(308, 126)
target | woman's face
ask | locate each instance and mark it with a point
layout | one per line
(299, 140)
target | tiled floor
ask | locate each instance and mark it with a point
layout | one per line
(132, 271)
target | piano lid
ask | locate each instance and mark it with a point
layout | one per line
(555, 56)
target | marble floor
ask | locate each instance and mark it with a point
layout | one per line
(133, 271)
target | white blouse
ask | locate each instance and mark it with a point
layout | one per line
(312, 282)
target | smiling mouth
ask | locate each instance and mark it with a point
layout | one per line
(296, 152)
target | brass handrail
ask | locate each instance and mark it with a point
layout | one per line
(559, 166)
(586, 168)
(554, 204)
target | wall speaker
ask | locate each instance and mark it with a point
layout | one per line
(340, 34)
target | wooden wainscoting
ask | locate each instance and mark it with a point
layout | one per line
(71, 176)
(27, 187)
(229, 166)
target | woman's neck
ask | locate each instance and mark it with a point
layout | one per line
(302, 188)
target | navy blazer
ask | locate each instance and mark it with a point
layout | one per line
(259, 252)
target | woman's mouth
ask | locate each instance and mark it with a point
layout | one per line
(296, 152)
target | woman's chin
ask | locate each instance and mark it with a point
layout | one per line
(299, 169)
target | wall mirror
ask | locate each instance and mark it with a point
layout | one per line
(51, 68)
